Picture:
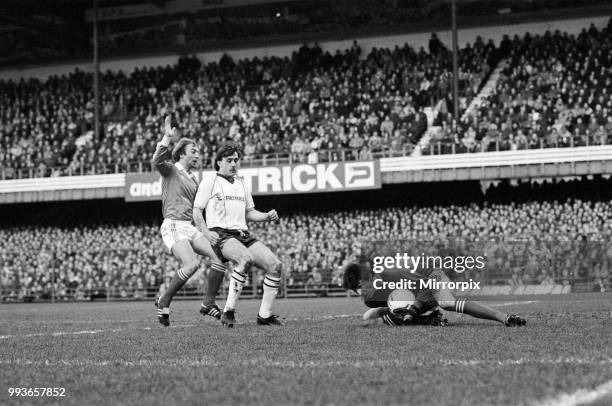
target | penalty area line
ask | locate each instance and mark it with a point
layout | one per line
(578, 397)
(176, 326)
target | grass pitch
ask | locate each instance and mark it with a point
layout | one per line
(117, 353)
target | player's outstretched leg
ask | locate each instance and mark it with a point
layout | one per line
(237, 282)
(272, 265)
(447, 301)
(270, 290)
(237, 252)
(183, 251)
(481, 311)
(214, 280)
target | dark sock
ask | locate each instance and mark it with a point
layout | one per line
(213, 282)
(478, 310)
(177, 282)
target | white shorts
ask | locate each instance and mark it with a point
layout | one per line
(173, 231)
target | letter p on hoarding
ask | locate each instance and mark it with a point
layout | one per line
(360, 175)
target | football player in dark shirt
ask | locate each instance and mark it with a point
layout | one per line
(425, 309)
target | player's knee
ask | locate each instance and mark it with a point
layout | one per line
(274, 267)
(246, 260)
(191, 267)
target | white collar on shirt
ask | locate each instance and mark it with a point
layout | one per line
(181, 167)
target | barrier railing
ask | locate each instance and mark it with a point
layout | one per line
(256, 160)
(322, 156)
(442, 147)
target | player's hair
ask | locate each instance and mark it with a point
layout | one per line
(179, 148)
(227, 149)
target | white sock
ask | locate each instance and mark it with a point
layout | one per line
(237, 281)
(270, 289)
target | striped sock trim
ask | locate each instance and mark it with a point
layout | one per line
(238, 277)
(459, 305)
(161, 312)
(271, 282)
(218, 268)
(182, 275)
(388, 320)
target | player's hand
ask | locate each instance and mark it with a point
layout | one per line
(435, 318)
(213, 237)
(272, 215)
(169, 131)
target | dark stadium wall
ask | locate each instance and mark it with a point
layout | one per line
(107, 211)
(414, 39)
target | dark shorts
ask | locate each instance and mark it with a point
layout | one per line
(244, 237)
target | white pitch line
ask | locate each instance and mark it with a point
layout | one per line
(55, 334)
(115, 330)
(323, 318)
(580, 397)
(101, 321)
(330, 317)
(514, 303)
(265, 362)
(308, 319)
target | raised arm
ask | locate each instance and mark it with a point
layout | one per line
(161, 158)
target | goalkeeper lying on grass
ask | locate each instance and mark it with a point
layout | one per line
(425, 309)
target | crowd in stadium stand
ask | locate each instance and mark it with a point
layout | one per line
(535, 241)
(553, 92)
(313, 106)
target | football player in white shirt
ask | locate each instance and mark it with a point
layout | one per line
(228, 204)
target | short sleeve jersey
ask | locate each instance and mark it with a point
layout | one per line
(225, 201)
